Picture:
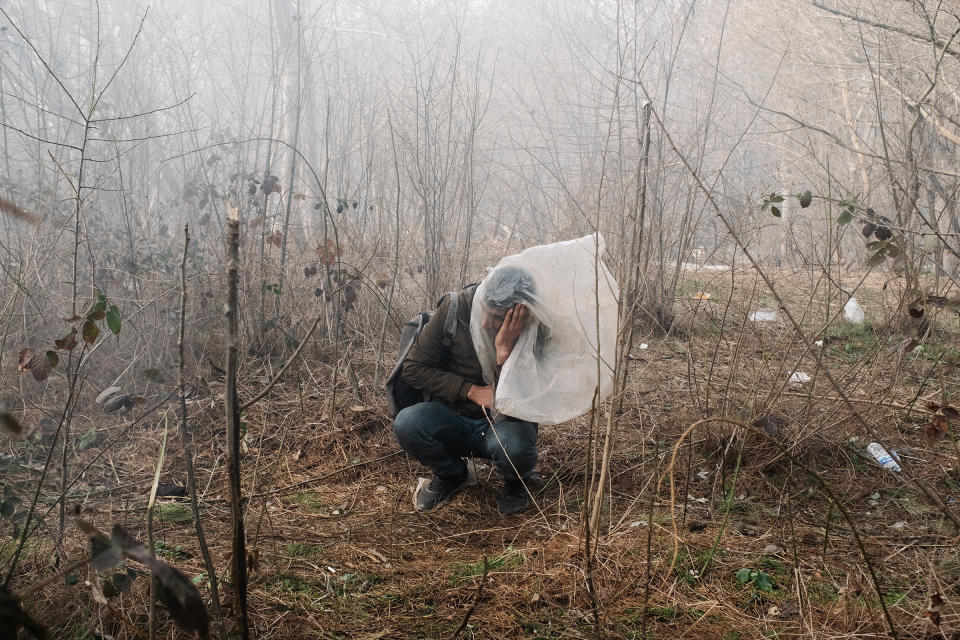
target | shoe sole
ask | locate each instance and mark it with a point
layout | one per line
(423, 482)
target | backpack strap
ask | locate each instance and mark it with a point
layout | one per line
(450, 323)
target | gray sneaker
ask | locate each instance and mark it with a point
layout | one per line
(438, 491)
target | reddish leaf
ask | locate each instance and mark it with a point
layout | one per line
(90, 331)
(937, 427)
(275, 239)
(382, 280)
(933, 609)
(74, 318)
(67, 342)
(933, 406)
(328, 252)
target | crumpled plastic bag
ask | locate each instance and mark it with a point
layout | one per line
(551, 374)
(853, 312)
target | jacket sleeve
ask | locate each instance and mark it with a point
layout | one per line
(422, 367)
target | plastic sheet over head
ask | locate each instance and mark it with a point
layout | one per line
(551, 374)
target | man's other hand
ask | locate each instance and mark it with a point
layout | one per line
(513, 325)
(482, 396)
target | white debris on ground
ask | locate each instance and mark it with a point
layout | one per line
(763, 315)
(799, 377)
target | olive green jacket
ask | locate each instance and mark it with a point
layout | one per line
(447, 380)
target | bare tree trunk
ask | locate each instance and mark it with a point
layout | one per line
(238, 562)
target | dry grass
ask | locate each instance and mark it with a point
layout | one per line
(340, 552)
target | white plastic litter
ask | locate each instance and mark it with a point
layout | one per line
(799, 377)
(763, 315)
(643, 345)
(852, 312)
(551, 374)
(885, 460)
(819, 343)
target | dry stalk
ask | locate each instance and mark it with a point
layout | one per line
(238, 560)
(150, 543)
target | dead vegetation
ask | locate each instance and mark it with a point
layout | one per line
(725, 532)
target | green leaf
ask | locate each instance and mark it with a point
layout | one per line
(99, 308)
(845, 217)
(743, 575)
(763, 582)
(90, 331)
(153, 375)
(805, 199)
(775, 211)
(775, 198)
(7, 508)
(113, 319)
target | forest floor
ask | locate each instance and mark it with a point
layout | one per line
(713, 531)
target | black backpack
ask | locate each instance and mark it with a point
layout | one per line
(399, 392)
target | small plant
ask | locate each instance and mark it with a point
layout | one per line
(760, 581)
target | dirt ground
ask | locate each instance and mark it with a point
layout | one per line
(709, 530)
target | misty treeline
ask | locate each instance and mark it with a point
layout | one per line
(340, 130)
(378, 153)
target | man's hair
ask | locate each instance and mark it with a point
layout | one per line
(507, 286)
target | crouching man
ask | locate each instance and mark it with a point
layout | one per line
(453, 425)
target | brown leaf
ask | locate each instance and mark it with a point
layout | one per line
(14, 211)
(275, 239)
(10, 423)
(328, 252)
(933, 406)
(951, 412)
(937, 427)
(41, 364)
(73, 318)
(23, 359)
(90, 331)
(67, 342)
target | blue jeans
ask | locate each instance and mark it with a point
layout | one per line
(439, 438)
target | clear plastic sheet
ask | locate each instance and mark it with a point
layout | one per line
(551, 374)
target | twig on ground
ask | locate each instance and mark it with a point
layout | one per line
(476, 598)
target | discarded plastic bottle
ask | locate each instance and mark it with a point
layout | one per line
(886, 460)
